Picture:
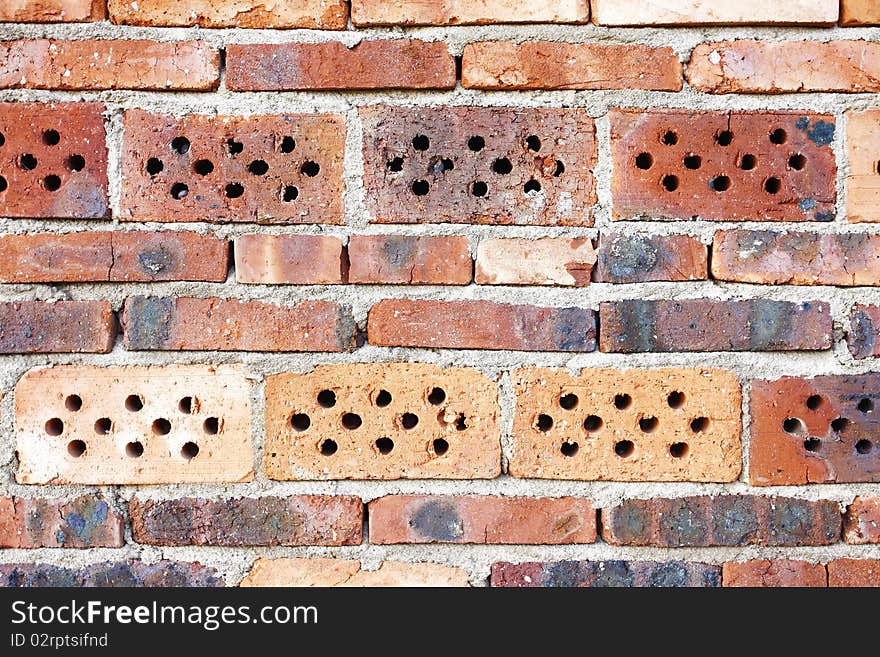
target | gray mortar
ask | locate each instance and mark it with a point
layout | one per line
(233, 563)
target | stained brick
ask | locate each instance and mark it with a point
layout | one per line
(467, 12)
(52, 11)
(863, 179)
(84, 522)
(544, 261)
(349, 573)
(632, 258)
(710, 12)
(854, 573)
(288, 259)
(861, 523)
(409, 260)
(41, 327)
(605, 574)
(313, 14)
(865, 328)
(859, 12)
(164, 574)
(779, 572)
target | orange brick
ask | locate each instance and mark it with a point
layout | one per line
(859, 12)
(861, 523)
(42, 327)
(760, 573)
(854, 573)
(409, 260)
(863, 180)
(467, 12)
(52, 11)
(545, 261)
(711, 12)
(288, 259)
(303, 572)
(313, 14)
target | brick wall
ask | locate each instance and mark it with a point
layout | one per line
(551, 285)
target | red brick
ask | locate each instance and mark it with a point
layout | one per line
(483, 165)
(313, 14)
(723, 166)
(480, 325)
(297, 520)
(467, 12)
(761, 573)
(503, 65)
(212, 324)
(709, 12)
(865, 329)
(109, 64)
(632, 258)
(288, 259)
(859, 12)
(44, 327)
(861, 523)
(378, 64)
(163, 574)
(113, 256)
(318, 572)
(409, 260)
(854, 573)
(84, 522)
(484, 520)
(53, 160)
(544, 261)
(605, 574)
(52, 11)
(274, 169)
(637, 325)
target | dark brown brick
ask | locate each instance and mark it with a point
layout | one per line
(606, 574)
(31, 327)
(164, 574)
(84, 522)
(864, 331)
(633, 258)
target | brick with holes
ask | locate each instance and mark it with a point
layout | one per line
(776, 573)
(53, 160)
(84, 522)
(312, 14)
(323, 572)
(481, 520)
(467, 12)
(723, 166)
(863, 179)
(288, 259)
(605, 574)
(273, 169)
(543, 261)
(409, 259)
(854, 573)
(626, 425)
(44, 327)
(52, 11)
(814, 430)
(129, 573)
(859, 12)
(626, 257)
(482, 165)
(382, 421)
(133, 425)
(861, 523)
(712, 12)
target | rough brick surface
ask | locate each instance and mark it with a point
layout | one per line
(409, 260)
(861, 523)
(544, 261)
(633, 425)
(484, 165)
(503, 65)
(854, 573)
(314, 14)
(605, 574)
(863, 152)
(299, 520)
(711, 12)
(865, 329)
(467, 12)
(163, 574)
(723, 166)
(42, 327)
(191, 324)
(379, 64)
(485, 520)
(52, 11)
(625, 257)
(859, 12)
(762, 573)
(480, 325)
(84, 522)
(53, 160)
(110, 64)
(91, 256)
(348, 572)
(817, 430)
(275, 169)
(705, 325)
(382, 421)
(133, 425)
(288, 259)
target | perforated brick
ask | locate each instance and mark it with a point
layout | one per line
(723, 166)
(273, 169)
(863, 179)
(382, 421)
(627, 425)
(133, 425)
(349, 572)
(53, 160)
(313, 14)
(818, 430)
(484, 165)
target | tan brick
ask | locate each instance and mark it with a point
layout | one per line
(133, 425)
(382, 421)
(409, 260)
(627, 257)
(854, 573)
(779, 572)
(711, 12)
(503, 65)
(627, 425)
(52, 11)
(863, 180)
(859, 12)
(467, 12)
(43, 327)
(303, 572)
(861, 523)
(84, 522)
(288, 259)
(313, 14)
(544, 261)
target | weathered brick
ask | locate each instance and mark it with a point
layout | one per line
(54, 160)
(605, 574)
(288, 259)
(503, 65)
(91, 256)
(637, 325)
(484, 165)
(814, 430)
(43, 327)
(863, 179)
(164, 574)
(544, 261)
(725, 520)
(485, 520)
(275, 169)
(409, 260)
(854, 573)
(313, 14)
(133, 425)
(480, 325)
(770, 257)
(710, 12)
(776, 67)
(298, 520)
(212, 324)
(627, 425)
(761, 573)
(382, 421)
(372, 64)
(52, 11)
(865, 329)
(467, 12)
(859, 12)
(632, 258)
(109, 64)
(84, 522)
(723, 166)
(348, 572)
(861, 522)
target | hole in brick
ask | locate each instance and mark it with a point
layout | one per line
(864, 446)
(51, 137)
(420, 187)
(27, 162)
(258, 167)
(839, 424)
(288, 144)
(186, 405)
(73, 403)
(234, 147)
(3, 184)
(675, 399)
(593, 423)
(300, 421)
(693, 162)
(234, 190)
(311, 169)
(624, 448)
(865, 405)
(678, 450)
(179, 191)
(724, 138)
(212, 426)
(720, 184)
(460, 422)
(351, 421)
(532, 186)
(383, 399)
(203, 167)
(161, 427)
(814, 402)
(180, 145)
(103, 426)
(76, 163)
(622, 401)
(134, 450)
(812, 444)
(560, 169)
(544, 422)
(395, 164)
(440, 446)
(2, 139)
(502, 166)
(326, 399)
(55, 427)
(778, 136)
(569, 448)
(421, 142)
(670, 183)
(329, 447)
(134, 403)
(437, 396)
(189, 451)
(409, 420)
(445, 165)
(797, 162)
(532, 141)
(384, 445)
(290, 193)
(568, 401)
(699, 424)
(772, 185)
(748, 162)
(52, 182)
(648, 424)
(670, 138)
(154, 166)
(476, 144)
(793, 425)
(479, 188)
(644, 161)
(76, 448)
